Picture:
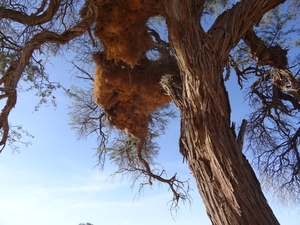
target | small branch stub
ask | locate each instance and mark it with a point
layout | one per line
(241, 135)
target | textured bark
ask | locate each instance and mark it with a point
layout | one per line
(226, 181)
(34, 18)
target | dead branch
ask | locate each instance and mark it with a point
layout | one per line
(241, 135)
(175, 185)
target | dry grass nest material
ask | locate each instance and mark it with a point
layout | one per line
(121, 27)
(126, 82)
(129, 95)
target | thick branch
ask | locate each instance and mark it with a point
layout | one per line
(12, 76)
(32, 19)
(37, 41)
(274, 56)
(284, 79)
(289, 98)
(231, 26)
(10, 103)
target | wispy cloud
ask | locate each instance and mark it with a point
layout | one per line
(71, 193)
(33, 199)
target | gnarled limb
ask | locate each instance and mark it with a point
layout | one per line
(273, 56)
(11, 77)
(34, 18)
(176, 186)
(232, 25)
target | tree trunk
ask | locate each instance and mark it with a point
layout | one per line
(226, 181)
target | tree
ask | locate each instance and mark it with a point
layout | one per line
(244, 37)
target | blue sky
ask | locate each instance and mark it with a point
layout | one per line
(54, 181)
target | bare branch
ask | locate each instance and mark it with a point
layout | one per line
(13, 74)
(273, 56)
(87, 76)
(33, 19)
(231, 26)
(240, 137)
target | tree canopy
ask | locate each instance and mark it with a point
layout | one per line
(135, 63)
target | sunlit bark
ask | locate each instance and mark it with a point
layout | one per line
(226, 181)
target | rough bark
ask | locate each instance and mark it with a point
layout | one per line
(226, 181)
(34, 18)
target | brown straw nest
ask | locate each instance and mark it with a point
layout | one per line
(129, 95)
(121, 27)
(126, 83)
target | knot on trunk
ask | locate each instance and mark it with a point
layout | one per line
(172, 84)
